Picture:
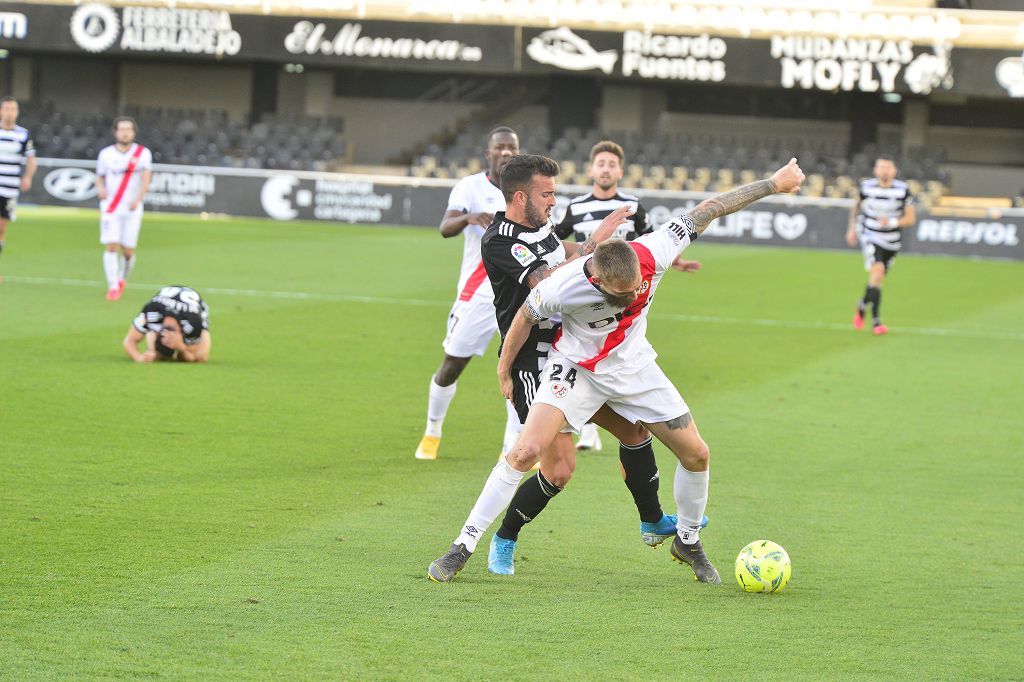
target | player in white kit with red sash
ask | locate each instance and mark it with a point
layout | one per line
(471, 322)
(123, 172)
(602, 358)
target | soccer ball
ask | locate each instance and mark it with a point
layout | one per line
(763, 566)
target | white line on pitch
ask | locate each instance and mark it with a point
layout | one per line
(390, 300)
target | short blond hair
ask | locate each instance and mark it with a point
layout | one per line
(616, 261)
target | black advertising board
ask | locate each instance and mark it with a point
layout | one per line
(812, 63)
(96, 28)
(793, 62)
(284, 196)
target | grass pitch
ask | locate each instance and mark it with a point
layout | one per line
(263, 516)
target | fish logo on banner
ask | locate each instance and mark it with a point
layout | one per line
(562, 48)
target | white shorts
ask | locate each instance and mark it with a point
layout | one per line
(471, 326)
(121, 227)
(646, 396)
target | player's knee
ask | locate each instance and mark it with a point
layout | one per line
(698, 457)
(111, 247)
(559, 473)
(524, 455)
(449, 371)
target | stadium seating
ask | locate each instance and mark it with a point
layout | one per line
(196, 137)
(701, 162)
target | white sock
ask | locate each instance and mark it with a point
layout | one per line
(512, 428)
(437, 407)
(126, 267)
(691, 493)
(110, 268)
(497, 493)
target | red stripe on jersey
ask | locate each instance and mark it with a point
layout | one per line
(132, 162)
(474, 282)
(617, 335)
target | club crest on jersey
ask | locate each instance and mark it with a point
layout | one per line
(522, 254)
(560, 390)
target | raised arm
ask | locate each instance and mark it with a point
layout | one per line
(785, 180)
(603, 232)
(517, 334)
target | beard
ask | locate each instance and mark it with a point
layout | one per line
(605, 183)
(535, 216)
(618, 301)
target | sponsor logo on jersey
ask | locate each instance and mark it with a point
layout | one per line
(522, 254)
(559, 390)
(562, 48)
(682, 227)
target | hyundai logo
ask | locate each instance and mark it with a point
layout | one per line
(71, 184)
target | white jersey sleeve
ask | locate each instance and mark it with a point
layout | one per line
(145, 160)
(670, 240)
(544, 300)
(462, 197)
(102, 167)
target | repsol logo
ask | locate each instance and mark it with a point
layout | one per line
(967, 232)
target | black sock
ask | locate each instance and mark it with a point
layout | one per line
(876, 304)
(529, 501)
(640, 470)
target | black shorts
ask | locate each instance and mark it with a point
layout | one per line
(873, 253)
(7, 205)
(524, 388)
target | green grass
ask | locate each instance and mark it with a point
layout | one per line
(263, 516)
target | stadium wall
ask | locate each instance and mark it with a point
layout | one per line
(285, 196)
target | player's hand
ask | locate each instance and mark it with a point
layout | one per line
(787, 179)
(483, 219)
(134, 205)
(171, 339)
(101, 193)
(148, 356)
(851, 238)
(505, 384)
(611, 223)
(26, 184)
(686, 265)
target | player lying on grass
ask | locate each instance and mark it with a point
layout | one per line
(603, 359)
(174, 326)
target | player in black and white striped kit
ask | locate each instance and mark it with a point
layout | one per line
(17, 162)
(885, 208)
(585, 213)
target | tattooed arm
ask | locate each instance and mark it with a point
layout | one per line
(603, 232)
(785, 180)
